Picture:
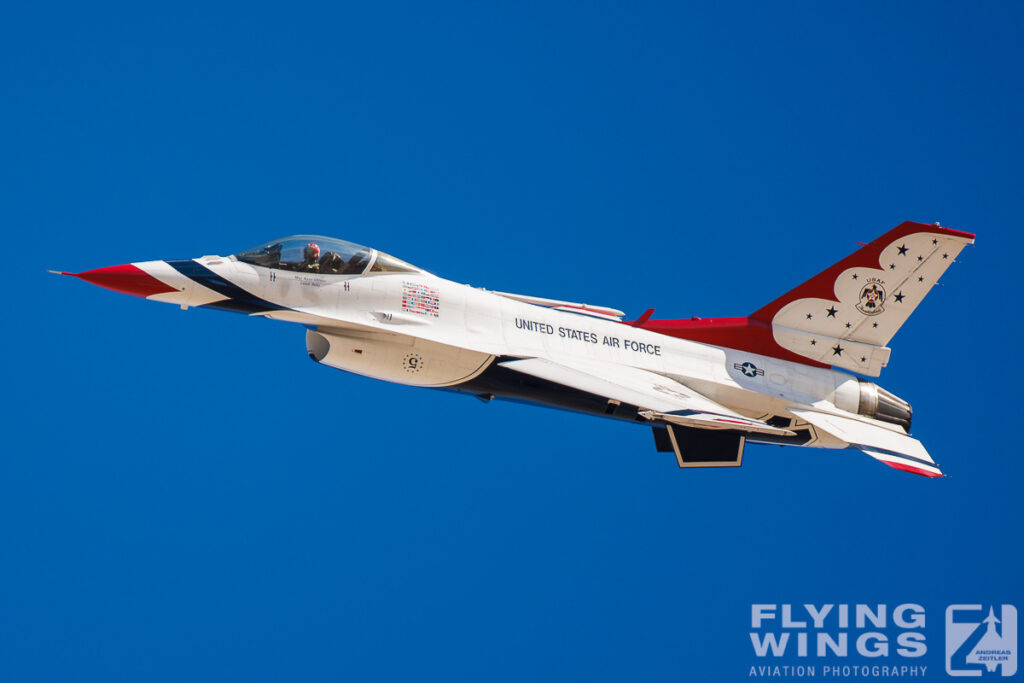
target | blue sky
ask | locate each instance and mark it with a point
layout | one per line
(185, 495)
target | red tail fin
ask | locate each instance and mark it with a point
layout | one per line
(845, 315)
(905, 259)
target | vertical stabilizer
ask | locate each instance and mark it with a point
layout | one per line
(846, 315)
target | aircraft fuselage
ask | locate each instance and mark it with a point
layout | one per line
(705, 387)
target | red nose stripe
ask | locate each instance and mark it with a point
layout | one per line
(127, 279)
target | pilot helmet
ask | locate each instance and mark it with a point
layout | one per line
(311, 252)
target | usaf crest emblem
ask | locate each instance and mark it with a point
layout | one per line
(872, 298)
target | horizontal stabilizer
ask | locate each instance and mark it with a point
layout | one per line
(888, 444)
(901, 462)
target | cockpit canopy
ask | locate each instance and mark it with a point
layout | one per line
(325, 255)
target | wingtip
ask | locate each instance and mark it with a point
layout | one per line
(62, 272)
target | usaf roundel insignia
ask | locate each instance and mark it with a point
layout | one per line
(748, 369)
(872, 298)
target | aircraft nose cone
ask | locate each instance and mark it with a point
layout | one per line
(127, 279)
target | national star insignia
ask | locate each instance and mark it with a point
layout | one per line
(892, 266)
(899, 296)
(837, 350)
(902, 249)
(848, 325)
(831, 311)
(874, 324)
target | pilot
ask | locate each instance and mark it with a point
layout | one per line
(310, 258)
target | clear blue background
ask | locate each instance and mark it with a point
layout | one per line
(184, 495)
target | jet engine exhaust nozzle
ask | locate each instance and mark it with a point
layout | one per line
(883, 405)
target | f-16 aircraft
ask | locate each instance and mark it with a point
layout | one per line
(705, 387)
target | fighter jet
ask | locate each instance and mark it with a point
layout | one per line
(705, 387)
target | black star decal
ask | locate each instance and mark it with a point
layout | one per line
(920, 258)
(921, 279)
(892, 266)
(837, 350)
(855, 276)
(813, 342)
(874, 324)
(863, 359)
(945, 256)
(831, 311)
(848, 325)
(902, 249)
(809, 316)
(935, 241)
(899, 296)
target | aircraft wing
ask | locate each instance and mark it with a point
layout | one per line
(890, 446)
(660, 399)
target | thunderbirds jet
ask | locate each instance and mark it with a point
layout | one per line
(704, 386)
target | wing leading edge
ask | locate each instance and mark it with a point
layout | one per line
(603, 312)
